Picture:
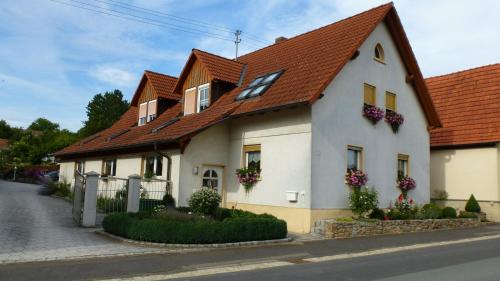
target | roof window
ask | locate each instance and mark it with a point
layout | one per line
(259, 85)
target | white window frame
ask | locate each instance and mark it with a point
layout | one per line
(155, 164)
(143, 120)
(359, 156)
(198, 97)
(113, 167)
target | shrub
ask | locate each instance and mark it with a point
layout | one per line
(378, 214)
(203, 231)
(430, 211)
(363, 200)
(449, 213)
(204, 201)
(168, 200)
(467, 215)
(63, 189)
(472, 205)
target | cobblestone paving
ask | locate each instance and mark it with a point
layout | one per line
(35, 228)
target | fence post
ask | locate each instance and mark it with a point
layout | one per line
(133, 196)
(90, 200)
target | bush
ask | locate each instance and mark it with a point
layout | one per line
(204, 201)
(449, 213)
(430, 211)
(363, 200)
(467, 215)
(472, 205)
(63, 189)
(202, 231)
(378, 214)
(168, 200)
(395, 214)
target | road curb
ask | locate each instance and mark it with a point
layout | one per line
(215, 245)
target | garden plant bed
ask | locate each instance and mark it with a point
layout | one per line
(339, 229)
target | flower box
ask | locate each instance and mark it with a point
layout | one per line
(373, 113)
(394, 119)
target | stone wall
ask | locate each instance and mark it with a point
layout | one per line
(336, 229)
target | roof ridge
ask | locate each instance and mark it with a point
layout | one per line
(319, 28)
(463, 70)
(219, 56)
(154, 72)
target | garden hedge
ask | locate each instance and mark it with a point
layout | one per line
(239, 229)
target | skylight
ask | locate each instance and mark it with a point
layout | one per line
(259, 85)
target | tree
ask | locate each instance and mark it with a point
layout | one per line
(5, 130)
(102, 111)
(43, 125)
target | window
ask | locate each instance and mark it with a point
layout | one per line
(153, 164)
(252, 156)
(151, 110)
(379, 53)
(203, 97)
(210, 179)
(259, 85)
(354, 155)
(190, 101)
(109, 168)
(143, 113)
(80, 167)
(403, 165)
(370, 94)
(390, 101)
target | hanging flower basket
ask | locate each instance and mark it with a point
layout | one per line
(406, 184)
(373, 113)
(248, 177)
(394, 119)
(355, 178)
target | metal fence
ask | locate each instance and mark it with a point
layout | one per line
(112, 195)
(78, 197)
(152, 193)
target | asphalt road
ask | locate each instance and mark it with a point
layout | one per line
(478, 261)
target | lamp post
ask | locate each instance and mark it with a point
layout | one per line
(15, 170)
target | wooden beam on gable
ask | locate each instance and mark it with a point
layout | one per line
(410, 78)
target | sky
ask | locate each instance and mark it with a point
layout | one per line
(55, 57)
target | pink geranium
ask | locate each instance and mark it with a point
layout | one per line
(355, 178)
(373, 113)
(406, 184)
(394, 119)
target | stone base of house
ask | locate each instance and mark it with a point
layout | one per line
(299, 220)
(335, 229)
(491, 208)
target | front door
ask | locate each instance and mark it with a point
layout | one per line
(212, 178)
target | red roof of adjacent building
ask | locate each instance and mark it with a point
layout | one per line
(468, 103)
(4, 143)
(162, 84)
(309, 63)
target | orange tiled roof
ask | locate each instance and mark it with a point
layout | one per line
(162, 84)
(4, 143)
(468, 103)
(310, 62)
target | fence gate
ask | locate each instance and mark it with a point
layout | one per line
(78, 198)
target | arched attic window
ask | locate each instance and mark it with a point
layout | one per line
(379, 53)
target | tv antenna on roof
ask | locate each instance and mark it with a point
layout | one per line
(237, 41)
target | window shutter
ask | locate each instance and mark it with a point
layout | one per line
(190, 101)
(370, 96)
(143, 110)
(152, 107)
(253, 147)
(390, 101)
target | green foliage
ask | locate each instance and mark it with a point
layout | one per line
(61, 189)
(168, 200)
(449, 213)
(472, 205)
(430, 211)
(345, 219)
(468, 215)
(362, 200)
(200, 231)
(102, 111)
(204, 201)
(148, 175)
(378, 214)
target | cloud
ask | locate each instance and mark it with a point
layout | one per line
(113, 75)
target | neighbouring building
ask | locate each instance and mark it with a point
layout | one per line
(293, 109)
(4, 144)
(465, 152)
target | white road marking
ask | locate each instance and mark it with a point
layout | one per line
(273, 264)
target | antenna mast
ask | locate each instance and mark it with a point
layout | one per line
(237, 41)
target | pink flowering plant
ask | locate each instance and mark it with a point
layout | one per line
(394, 119)
(373, 113)
(248, 177)
(406, 184)
(355, 178)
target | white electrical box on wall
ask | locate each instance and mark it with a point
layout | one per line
(292, 196)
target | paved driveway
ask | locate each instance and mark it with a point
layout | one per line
(35, 227)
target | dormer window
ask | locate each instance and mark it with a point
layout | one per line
(203, 97)
(259, 85)
(147, 112)
(379, 53)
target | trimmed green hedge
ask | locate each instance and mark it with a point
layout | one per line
(238, 229)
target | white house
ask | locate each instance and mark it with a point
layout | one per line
(294, 109)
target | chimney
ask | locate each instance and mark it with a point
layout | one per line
(280, 39)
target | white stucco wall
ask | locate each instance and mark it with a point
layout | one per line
(462, 172)
(210, 147)
(67, 171)
(337, 122)
(128, 165)
(93, 165)
(285, 139)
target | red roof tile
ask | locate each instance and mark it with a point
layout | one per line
(468, 103)
(4, 143)
(310, 62)
(162, 84)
